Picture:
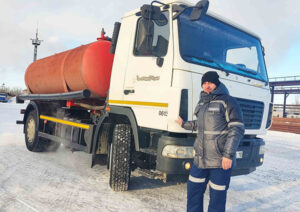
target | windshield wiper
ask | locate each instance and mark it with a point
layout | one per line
(245, 69)
(201, 59)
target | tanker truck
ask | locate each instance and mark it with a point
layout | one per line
(118, 98)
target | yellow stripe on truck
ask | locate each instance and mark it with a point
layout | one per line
(61, 121)
(155, 104)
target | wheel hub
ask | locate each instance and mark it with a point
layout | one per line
(31, 130)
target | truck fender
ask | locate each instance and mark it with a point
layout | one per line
(31, 106)
(125, 111)
(97, 132)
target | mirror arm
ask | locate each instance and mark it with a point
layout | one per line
(159, 3)
(178, 10)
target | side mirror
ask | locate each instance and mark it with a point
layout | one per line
(199, 10)
(162, 21)
(151, 12)
(263, 50)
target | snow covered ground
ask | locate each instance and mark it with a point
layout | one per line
(64, 181)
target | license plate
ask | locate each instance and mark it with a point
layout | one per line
(239, 154)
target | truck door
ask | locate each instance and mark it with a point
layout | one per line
(148, 73)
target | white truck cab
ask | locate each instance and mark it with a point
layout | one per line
(163, 81)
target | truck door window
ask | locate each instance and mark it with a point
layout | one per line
(157, 40)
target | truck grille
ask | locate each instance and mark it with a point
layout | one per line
(252, 113)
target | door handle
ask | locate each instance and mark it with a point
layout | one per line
(126, 92)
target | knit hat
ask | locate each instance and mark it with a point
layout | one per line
(211, 76)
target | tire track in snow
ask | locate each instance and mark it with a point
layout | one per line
(9, 196)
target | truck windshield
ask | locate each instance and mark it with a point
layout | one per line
(215, 44)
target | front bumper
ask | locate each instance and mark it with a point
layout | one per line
(173, 165)
(251, 157)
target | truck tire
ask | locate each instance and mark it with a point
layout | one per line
(33, 142)
(120, 159)
(109, 149)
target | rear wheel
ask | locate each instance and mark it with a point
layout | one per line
(33, 142)
(119, 158)
(31, 133)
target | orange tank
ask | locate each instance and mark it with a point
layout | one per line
(86, 67)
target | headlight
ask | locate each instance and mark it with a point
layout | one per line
(173, 151)
(261, 150)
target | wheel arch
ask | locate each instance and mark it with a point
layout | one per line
(30, 107)
(129, 114)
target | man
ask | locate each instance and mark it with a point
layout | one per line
(220, 128)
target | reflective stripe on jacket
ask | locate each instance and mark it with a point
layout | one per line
(220, 128)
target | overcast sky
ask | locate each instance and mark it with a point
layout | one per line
(65, 24)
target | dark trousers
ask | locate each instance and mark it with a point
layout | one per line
(218, 181)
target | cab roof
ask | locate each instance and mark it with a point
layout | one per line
(212, 14)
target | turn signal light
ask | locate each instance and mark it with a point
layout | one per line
(187, 166)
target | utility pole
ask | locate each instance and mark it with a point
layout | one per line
(36, 42)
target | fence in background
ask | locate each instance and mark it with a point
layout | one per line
(286, 125)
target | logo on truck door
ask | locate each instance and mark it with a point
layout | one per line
(147, 78)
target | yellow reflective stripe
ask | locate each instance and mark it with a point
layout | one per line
(61, 121)
(155, 104)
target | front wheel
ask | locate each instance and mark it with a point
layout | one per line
(109, 153)
(120, 158)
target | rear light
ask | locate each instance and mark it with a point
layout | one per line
(22, 111)
(70, 103)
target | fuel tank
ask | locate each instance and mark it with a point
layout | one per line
(85, 67)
